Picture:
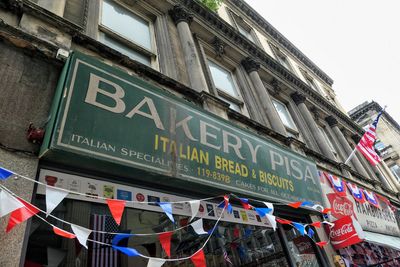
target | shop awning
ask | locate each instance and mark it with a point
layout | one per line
(383, 240)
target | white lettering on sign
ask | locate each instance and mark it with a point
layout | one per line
(345, 209)
(109, 96)
(345, 229)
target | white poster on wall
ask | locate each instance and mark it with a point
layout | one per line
(98, 188)
(379, 220)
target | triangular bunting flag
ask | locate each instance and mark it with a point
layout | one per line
(338, 185)
(8, 203)
(245, 203)
(198, 259)
(310, 233)
(283, 221)
(262, 211)
(198, 227)
(226, 200)
(165, 240)
(371, 198)
(155, 262)
(307, 203)
(194, 208)
(272, 221)
(131, 252)
(4, 173)
(316, 224)
(20, 215)
(300, 227)
(63, 233)
(167, 208)
(326, 210)
(295, 204)
(118, 237)
(116, 207)
(270, 206)
(54, 196)
(321, 244)
(81, 233)
(356, 192)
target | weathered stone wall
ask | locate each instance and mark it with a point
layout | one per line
(27, 86)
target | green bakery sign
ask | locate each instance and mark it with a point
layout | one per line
(108, 115)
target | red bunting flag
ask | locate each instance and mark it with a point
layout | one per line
(326, 210)
(20, 215)
(165, 240)
(321, 244)
(283, 221)
(63, 233)
(198, 259)
(116, 207)
(316, 224)
(295, 205)
(226, 199)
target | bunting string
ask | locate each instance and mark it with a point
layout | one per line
(196, 256)
(98, 231)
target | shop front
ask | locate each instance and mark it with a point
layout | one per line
(115, 136)
(366, 231)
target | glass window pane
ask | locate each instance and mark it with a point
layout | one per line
(379, 145)
(396, 171)
(222, 79)
(284, 61)
(126, 24)
(245, 33)
(104, 38)
(284, 114)
(301, 249)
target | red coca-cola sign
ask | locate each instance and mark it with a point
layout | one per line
(345, 232)
(341, 206)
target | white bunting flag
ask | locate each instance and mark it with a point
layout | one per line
(81, 233)
(272, 221)
(8, 203)
(270, 206)
(329, 223)
(53, 197)
(154, 262)
(198, 227)
(194, 207)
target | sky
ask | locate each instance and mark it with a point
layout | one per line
(355, 42)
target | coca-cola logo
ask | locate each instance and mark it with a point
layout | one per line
(341, 206)
(344, 230)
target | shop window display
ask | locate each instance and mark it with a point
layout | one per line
(245, 245)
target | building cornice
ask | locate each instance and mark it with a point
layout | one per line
(230, 33)
(281, 39)
(358, 112)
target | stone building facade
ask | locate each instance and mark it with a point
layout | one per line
(231, 66)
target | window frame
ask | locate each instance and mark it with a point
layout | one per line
(238, 100)
(293, 131)
(280, 56)
(126, 41)
(394, 173)
(239, 22)
(322, 129)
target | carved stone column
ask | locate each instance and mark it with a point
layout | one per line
(299, 99)
(252, 67)
(182, 20)
(333, 123)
